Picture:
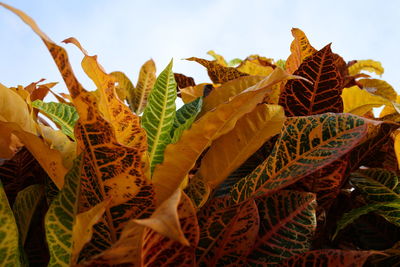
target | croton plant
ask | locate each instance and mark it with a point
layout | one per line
(273, 163)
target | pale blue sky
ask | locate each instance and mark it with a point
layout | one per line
(124, 34)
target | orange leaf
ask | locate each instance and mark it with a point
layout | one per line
(300, 49)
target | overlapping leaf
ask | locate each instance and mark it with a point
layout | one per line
(367, 65)
(300, 49)
(159, 250)
(231, 150)
(10, 254)
(147, 78)
(228, 90)
(217, 72)
(181, 156)
(110, 169)
(378, 87)
(25, 206)
(124, 86)
(329, 257)
(65, 116)
(158, 116)
(306, 144)
(227, 233)
(184, 118)
(191, 93)
(183, 81)
(287, 225)
(321, 94)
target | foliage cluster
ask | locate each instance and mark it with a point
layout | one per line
(273, 163)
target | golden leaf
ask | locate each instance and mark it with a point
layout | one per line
(300, 49)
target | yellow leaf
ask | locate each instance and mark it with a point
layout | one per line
(378, 87)
(368, 65)
(50, 159)
(229, 151)
(180, 157)
(165, 219)
(191, 93)
(300, 49)
(397, 145)
(82, 230)
(252, 68)
(124, 85)
(56, 139)
(359, 102)
(389, 110)
(228, 90)
(218, 58)
(147, 78)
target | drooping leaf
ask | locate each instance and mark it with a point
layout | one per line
(300, 50)
(158, 116)
(147, 78)
(184, 118)
(217, 72)
(25, 206)
(124, 86)
(121, 175)
(287, 225)
(321, 94)
(227, 233)
(231, 150)
(306, 144)
(50, 159)
(367, 65)
(329, 257)
(378, 87)
(359, 102)
(65, 116)
(159, 250)
(181, 156)
(218, 58)
(191, 93)
(10, 254)
(61, 215)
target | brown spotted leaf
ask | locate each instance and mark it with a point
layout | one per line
(329, 257)
(183, 81)
(217, 72)
(300, 49)
(227, 233)
(287, 225)
(322, 94)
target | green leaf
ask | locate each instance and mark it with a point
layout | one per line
(24, 207)
(158, 116)
(375, 190)
(306, 144)
(61, 114)
(287, 226)
(184, 118)
(10, 254)
(234, 62)
(61, 215)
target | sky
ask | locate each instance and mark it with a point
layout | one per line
(124, 34)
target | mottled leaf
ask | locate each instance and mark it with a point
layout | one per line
(321, 94)
(184, 118)
(65, 116)
(158, 116)
(10, 254)
(227, 233)
(183, 81)
(218, 58)
(217, 72)
(300, 50)
(367, 65)
(25, 206)
(287, 225)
